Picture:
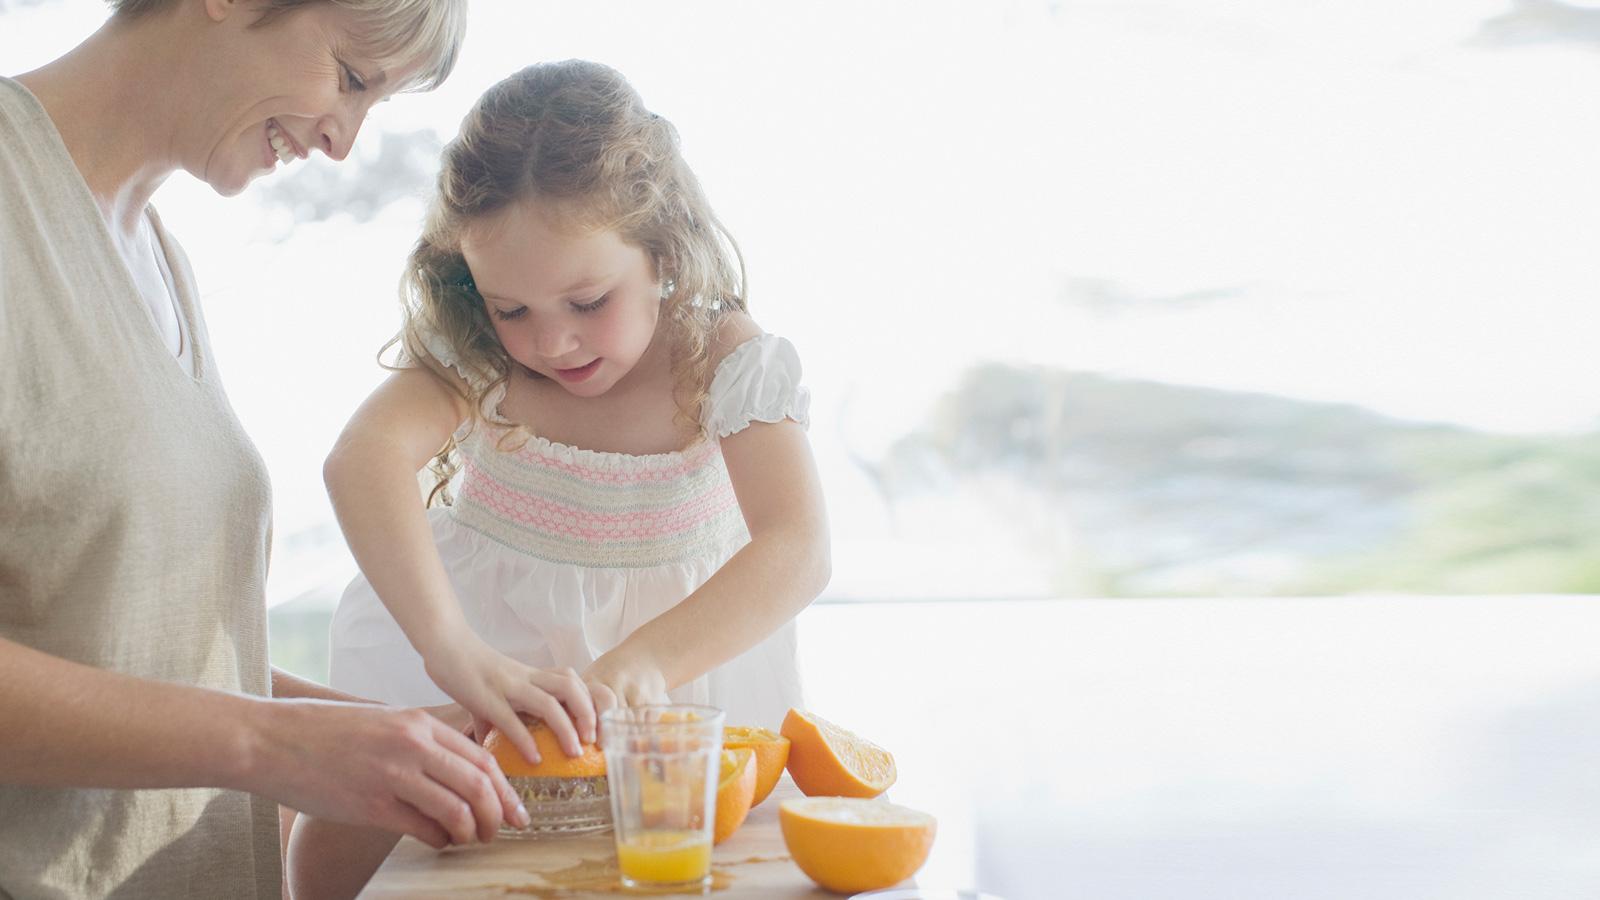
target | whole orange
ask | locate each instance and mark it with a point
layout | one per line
(553, 762)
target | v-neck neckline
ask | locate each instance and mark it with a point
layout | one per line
(183, 296)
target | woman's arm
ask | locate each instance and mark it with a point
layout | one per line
(371, 475)
(767, 583)
(72, 725)
(65, 721)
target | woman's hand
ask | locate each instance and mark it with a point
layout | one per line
(621, 678)
(494, 688)
(402, 770)
(456, 716)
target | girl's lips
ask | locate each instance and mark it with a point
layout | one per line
(578, 374)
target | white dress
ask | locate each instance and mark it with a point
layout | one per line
(558, 553)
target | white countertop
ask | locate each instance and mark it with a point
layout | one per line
(1364, 747)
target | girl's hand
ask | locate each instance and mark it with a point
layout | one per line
(494, 688)
(620, 679)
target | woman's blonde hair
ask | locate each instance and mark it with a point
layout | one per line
(575, 138)
(396, 33)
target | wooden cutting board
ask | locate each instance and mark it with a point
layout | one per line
(751, 864)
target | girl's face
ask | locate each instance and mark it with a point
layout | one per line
(294, 80)
(578, 309)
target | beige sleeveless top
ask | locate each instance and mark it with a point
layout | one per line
(134, 528)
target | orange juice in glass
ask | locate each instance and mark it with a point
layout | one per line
(662, 764)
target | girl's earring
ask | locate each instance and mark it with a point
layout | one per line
(667, 287)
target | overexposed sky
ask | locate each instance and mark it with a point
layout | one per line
(1391, 215)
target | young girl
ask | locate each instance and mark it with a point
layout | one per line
(637, 504)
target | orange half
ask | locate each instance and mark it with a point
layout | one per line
(771, 750)
(826, 760)
(736, 788)
(850, 845)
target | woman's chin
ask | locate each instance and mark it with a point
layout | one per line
(232, 182)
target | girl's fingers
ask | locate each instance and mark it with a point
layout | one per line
(511, 726)
(604, 697)
(536, 702)
(570, 690)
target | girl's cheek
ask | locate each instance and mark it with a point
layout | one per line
(513, 340)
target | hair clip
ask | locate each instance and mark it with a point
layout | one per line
(466, 283)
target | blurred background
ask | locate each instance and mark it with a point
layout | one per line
(1112, 299)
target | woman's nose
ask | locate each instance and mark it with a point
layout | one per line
(338, 137)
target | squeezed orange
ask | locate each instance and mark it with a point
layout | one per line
(665, 857)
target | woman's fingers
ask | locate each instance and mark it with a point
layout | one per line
(479, 760)
(464, 779)
(405, 819)
(442, 805)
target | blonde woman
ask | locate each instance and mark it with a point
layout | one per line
(143, 755)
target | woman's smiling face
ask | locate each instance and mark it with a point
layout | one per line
(284, 89)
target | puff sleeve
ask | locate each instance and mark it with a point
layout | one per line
(758, 382)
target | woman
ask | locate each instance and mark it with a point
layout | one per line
(135, 512)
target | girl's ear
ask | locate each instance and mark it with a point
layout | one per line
(218, 10)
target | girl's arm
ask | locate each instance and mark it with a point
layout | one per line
(329, 861)
(767, 583)
(371, 475)
(285, 684)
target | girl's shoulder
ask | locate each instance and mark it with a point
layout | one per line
(756, 377)
(732, 331)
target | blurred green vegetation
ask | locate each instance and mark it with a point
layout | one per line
(1161, 489)
(298, 637)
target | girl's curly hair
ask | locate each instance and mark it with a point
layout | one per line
(575, 138)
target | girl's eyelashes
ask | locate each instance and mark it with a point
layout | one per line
(592, 305)
(506, 315)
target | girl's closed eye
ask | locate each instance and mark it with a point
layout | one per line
(506, 315)
(592, 305)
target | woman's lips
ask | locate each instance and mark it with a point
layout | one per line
(579, 374)
(269, 155)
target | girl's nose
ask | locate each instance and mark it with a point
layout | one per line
(554, 341)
